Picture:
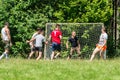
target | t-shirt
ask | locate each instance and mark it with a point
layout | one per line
(73, 41)
(103, 37)
(55, 35)
(35, 34)
(39, 40)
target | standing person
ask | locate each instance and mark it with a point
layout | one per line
(33, 43)
(75, 45)
(6, 38)
(56, 36)
(101, 46)
(38, 44)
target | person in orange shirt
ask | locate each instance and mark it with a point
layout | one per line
(101, 46)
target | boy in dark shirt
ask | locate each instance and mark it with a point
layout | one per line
(75, 45)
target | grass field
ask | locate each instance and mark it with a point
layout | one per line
(21, 69)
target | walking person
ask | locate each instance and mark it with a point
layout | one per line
(6, 38)
(55, 37)
(38, 44)
(32, 44)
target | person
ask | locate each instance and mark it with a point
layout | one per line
(33, 43)
(101, 46)
(6, 38)
(38, 44)
(55, 37)
(75, 45)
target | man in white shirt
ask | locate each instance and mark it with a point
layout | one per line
(33, 43)
(38, 44)
(101, 46)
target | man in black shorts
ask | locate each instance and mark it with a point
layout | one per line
(38, 44)
(32, 44)
(75, 45)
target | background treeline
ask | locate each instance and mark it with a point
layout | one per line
(118, 40)
(25, 16)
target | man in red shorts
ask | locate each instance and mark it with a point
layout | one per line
(56, 36)
(101, 46)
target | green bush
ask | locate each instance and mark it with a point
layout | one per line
(25, 16)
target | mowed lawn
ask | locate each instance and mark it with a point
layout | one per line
(22, 69)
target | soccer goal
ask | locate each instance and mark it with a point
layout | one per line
(87, 33)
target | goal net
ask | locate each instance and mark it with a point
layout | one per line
(87, 33)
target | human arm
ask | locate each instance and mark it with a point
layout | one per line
(78, 44)
(60, 35)
(8, 34)
(45, 41)
(105, 41)
(49, 39)
(67, 44)
(28, 41)
(105, 37)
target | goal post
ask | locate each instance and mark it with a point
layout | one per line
(87, 33)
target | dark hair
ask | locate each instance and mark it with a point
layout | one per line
(42, 29)
(38, 29)
(57, 25)
(6, 24)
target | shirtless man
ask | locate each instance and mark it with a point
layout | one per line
(6, 38)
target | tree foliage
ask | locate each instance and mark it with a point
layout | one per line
(25, 16)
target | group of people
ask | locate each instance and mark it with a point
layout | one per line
(38, 39)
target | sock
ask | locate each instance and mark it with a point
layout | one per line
(2, 55)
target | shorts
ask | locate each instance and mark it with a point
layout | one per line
(56, 47)
(32, 49)
(7, 44)
(100, 47)
(36, 49)
(75, 48)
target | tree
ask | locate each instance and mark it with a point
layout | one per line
(25, 16)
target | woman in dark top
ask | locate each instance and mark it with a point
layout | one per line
(75, 45)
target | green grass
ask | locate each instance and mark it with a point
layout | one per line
(21, 69)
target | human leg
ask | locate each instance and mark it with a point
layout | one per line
(6, 52)
(58, 48)
(30, 55)
(70, 54)
(39, 55)
(39, 50)
(94, 53)
(101, 54)
(78, 51)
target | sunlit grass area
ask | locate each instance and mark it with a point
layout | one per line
(22, 69)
